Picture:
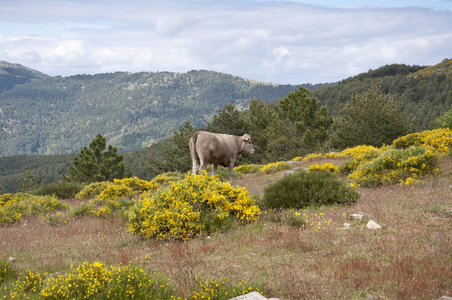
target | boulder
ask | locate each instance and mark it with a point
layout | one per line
(373, 225)
(253, 296)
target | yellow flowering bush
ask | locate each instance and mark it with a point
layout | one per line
(394, 165)
(92, 190)
(185, 208)
(118, 188)
(274, 167)
(18, 205)
(167, 177)
(93, 281)
(325, 167)
(439, 140)
(242, 169)
(222, 289)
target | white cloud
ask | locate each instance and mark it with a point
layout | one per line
(282, 42)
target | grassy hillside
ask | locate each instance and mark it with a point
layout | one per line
(409, 258)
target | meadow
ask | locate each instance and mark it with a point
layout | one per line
(283, 253)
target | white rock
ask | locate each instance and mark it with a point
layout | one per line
(373, 225)
(253, 296)
(346, 226)
(356, 217)
(11, 259)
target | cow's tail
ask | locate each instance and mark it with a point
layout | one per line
(193, 153)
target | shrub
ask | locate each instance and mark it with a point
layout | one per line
(180, 210)
(24, 204)
(113, 191)
(274, 167)
(222, 289)
(93, 281)
(304, 189)
(395, 165)
(242, 169)
(325, 167)
(92, 190)
(6, 272)
(439, 140)
(61, 189)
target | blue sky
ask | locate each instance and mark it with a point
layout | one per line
(299, 41)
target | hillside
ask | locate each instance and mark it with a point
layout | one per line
(12, 75)
(425, 92)
(57, 115)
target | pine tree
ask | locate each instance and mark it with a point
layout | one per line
(28, 181)
(94, 164)
(300, 126)
(177, 153)
(370, 118)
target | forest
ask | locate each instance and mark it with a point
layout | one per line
(422, 93)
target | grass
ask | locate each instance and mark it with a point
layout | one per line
(410, 258)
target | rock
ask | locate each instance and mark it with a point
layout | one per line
(11, 259)
(356, 217)
(373, 225)
(445, 298)
(294, 170)
(253, 296)
(346, 226)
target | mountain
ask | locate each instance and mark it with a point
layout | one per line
(424, 91)
(58, 115)
(12, 75)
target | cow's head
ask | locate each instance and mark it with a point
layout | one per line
(246, 146)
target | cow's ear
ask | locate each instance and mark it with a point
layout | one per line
(247, 137)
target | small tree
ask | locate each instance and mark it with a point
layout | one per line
(177, 154)
(28, 181)
(95, 164)
(370, 119)
(445, 121)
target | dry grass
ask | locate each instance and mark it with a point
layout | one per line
(410, 258)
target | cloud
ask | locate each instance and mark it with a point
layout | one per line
(281, 42)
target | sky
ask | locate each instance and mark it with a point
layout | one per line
(284, 42)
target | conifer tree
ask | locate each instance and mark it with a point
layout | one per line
(177, 152)
(95, 163)
(300, 126)
(371, 118)
(28, 181)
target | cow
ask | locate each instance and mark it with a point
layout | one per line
(214, 148)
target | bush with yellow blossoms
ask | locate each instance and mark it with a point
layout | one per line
(189, 207)
(324, 167)
(14, 206)
(439, 140)
(274, 167)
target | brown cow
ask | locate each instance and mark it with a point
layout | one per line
(214, 148)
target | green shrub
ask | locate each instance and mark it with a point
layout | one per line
(60, 189)
(304, 189)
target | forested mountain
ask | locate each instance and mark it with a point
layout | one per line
(425, 92)
(57, 115)
(12, 75)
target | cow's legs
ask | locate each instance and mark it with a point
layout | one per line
(214, 169)
(230, 170)
(203, 166)
(195, 167)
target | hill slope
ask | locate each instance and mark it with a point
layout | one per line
(57, 115)
(425, 92)
(12, 75)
